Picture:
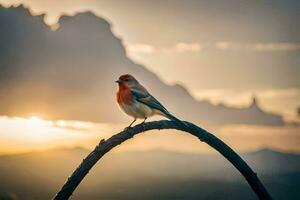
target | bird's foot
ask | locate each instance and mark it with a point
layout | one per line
(143, 122)
(143, 125)
(127, 128)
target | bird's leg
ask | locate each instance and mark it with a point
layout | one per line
(144, 120)
(132, 122)
(128, 127)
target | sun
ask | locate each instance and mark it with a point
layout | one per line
(34, 117)
(22, 134)
(37, 126)
(36, 121)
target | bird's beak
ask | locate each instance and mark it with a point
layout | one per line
(118, 81)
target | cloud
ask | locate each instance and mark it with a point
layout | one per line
(180, 47)
(281, 46)
(183, 48)
(141, 48)
(74, 125)
(291, 92)
(187, 47)
(222, 45)
(260, 46)
(229, 97)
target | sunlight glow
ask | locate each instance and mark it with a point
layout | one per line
(34, 133)
(74, 124)
(35, 122)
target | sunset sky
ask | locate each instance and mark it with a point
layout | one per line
(223, 52)
(201, 40)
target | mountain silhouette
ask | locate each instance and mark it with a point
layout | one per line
(155, 174)
(69, 73)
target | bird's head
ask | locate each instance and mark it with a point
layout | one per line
(127, 80)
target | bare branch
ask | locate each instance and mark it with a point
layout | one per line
(106, 145)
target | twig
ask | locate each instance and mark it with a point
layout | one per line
(106, 145)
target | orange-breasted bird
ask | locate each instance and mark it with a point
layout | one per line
(137, 102)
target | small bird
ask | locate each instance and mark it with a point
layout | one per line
(137, 102)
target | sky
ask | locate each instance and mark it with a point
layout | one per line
(33, 133)
(240, 41)
(224, 52)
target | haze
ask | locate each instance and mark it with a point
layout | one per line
(215, 53)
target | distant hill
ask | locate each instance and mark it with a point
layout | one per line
(69, 74)
(148, 175)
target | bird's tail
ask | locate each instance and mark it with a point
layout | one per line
(175, 120)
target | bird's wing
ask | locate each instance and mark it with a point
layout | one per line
(143, 96)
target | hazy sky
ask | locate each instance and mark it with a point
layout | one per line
(32, 133)
(224, 51)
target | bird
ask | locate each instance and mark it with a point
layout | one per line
(137, 102)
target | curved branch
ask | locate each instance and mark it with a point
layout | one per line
(106, 145)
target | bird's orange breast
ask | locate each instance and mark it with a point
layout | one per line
(124, 95)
